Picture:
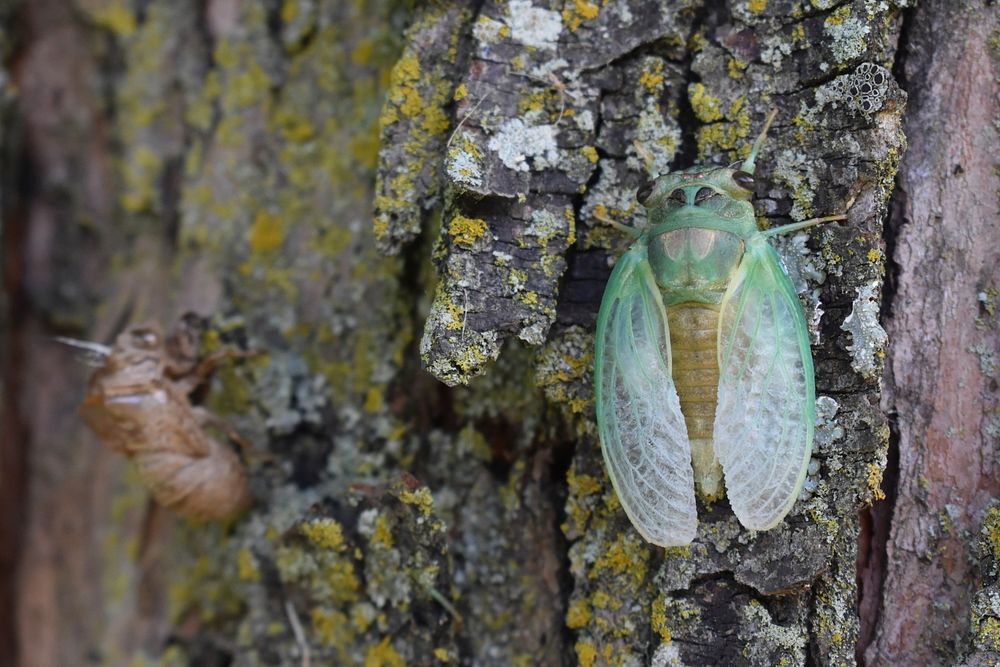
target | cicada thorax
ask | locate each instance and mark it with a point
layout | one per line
(693, 267)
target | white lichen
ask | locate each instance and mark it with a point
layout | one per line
(614, 200)
(462, 166)
(658, 140)
(585, 120)
(774, 50)
(488, 30)
(533, 26)
(534, 334)
(793, 169)
(862, 92)
(989, 363)
(805, 270)
(763, 637)
(667, 655)
(545, 225)
(827, 429)
(868, 338)
(515, 144)
(847, 38)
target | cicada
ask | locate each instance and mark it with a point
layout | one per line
(704, 375)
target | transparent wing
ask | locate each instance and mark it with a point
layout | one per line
(764, 421)
(643, 435)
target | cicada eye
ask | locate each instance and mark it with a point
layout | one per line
(678, 197)
(703, 194)
(645, 190)
(744, 180)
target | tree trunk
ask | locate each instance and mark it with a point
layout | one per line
(228, 158)
(942, 368)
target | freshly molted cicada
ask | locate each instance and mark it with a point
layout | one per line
(703, 367)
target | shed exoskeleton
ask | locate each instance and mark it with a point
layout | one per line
(138, 404)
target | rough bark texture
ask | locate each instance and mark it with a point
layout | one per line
(230, 158)
(942, 367)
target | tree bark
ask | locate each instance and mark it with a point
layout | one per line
(941, 374)
(229, 157)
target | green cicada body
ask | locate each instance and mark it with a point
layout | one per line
(703, 367)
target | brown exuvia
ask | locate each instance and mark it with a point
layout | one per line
(138, 404)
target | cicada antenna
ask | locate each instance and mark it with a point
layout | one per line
(751, 162)
(805, 224)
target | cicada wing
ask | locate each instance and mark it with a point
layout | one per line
(643, 435)
(764, 420)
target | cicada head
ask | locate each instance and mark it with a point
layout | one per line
(139, 353)
(704, 187)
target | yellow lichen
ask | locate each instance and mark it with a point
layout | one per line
(246, 566)
(989, 633)
(582, 485)
(436, 121)
(838, 17)
(708, 109)
(331, 627)
(140, 175)
(466, 231)
(590, 153)
(421, 498)
(874, 255)
(697, 42)
(461, 92)
(586, 653)
(736, 67)
(757, 6)
(571, 221)
(580, 11)
(116, 17)
(324, 533)
(289, 10)
(652, 75)
(604, 600)
(382, 535)
(374, 399)
(623, 556)
(578, 614)
(991, 532)
(658, 618)
(267, 233)
(530, 298)
(875, 481)
(384, 655)
(456, 315)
